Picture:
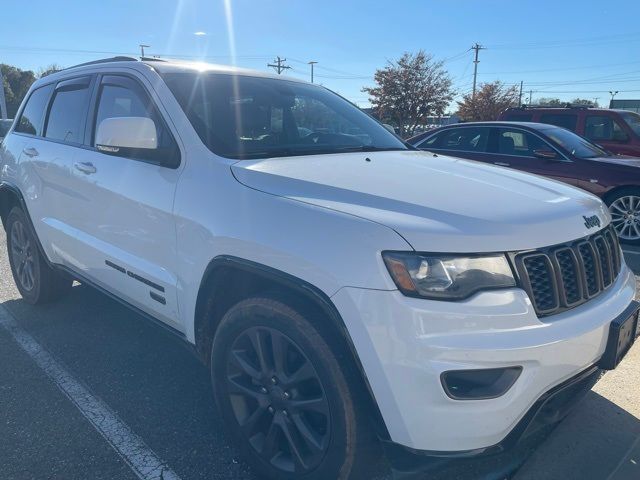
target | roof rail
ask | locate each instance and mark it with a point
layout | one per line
(105, 60)
(152, 59)
(546, 107)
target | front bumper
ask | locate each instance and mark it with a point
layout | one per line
(405, 344)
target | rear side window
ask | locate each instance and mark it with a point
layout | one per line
(33, 114)
(68, 111)
(560, 120)
(604, 127)
(468, 139)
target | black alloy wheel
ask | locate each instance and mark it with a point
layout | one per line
(278, 400)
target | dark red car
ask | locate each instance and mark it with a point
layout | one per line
(553, 152)
(616, 130)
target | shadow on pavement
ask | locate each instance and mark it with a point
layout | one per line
(590, 444)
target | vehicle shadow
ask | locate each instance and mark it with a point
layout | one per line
(158, 387)
(589, 444)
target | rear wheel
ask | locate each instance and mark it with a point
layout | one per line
(283, 395)
(37, 282)
(624, 206)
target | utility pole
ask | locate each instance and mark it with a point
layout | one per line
(530, 95)
(520, 97)
(142, 47)
(279, 65)
(3, 103)
(312, 63)
(477, 47)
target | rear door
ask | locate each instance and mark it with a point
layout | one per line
(125, 213)
(521, 149)
(609, 131)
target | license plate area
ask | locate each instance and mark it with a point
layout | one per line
(622, 334)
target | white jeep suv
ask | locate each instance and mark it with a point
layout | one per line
(337, 283)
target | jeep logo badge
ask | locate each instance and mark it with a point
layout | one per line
(592, 221)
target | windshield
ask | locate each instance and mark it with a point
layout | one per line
(575, 144)
(246, 117)
(633, 120)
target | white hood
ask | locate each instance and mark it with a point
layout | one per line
(438, 204)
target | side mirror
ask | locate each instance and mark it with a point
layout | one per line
(389, 127)
(119, 134)
(545, 154)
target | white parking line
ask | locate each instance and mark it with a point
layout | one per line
(142, 460)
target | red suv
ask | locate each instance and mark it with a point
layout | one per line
(616, 130)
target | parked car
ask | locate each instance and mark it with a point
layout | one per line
(338, 288)
(615, 130)
(552, 152)
(5, 125)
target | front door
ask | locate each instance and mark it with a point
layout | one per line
(126, 215)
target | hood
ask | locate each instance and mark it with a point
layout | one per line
(438, 204)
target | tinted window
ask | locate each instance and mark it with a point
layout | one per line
(518, 142)
(68, 112)
(122, 97)
(632, 119)
(33, 114)
(604, 127)
(519, 117)
(5, 125)
(565, 121)
(431, 142)
(468, 139)
(250, 117)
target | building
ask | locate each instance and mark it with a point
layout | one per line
(631, 105)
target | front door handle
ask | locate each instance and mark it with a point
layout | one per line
(502, 164)
(85, 167)
(30, 152)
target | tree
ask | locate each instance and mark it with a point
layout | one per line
(53, 68)
(16, 84)
(491, 99)
(409, 90)
(551, 102)
(583, 102)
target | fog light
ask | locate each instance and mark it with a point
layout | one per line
(479, 384)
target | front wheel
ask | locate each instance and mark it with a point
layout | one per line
(624, 206)
(283, 395)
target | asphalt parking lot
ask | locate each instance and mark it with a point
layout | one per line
(90, 390)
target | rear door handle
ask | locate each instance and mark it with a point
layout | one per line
(85, 167)
(30, 152)
(502, 164)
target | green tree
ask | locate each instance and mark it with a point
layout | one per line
(409, 90)
(551, 102)
(16, 85)
(490, 100)
(53, 68)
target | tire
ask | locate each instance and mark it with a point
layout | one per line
(268, 405)
(37, 281)
(624, 206)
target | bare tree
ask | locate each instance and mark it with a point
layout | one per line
(409, 90)
(53, 68)
(490, 100)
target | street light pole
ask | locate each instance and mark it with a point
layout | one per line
(613, 94)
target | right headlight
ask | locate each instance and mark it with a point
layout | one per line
(447, 277)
